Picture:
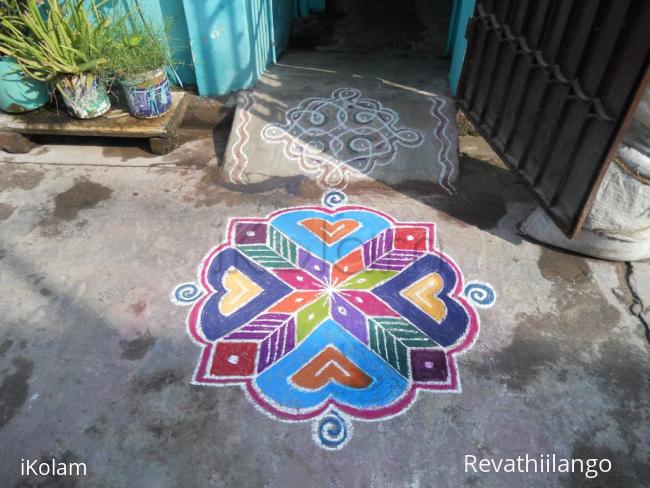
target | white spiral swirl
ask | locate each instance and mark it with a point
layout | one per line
(186, 293)
(334, 198)
(483, 295)
(332, 431)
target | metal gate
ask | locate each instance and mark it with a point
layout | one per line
(550, 85)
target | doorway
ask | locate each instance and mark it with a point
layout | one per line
(414, 28)
(360, 96)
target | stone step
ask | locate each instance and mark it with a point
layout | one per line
(341, 119)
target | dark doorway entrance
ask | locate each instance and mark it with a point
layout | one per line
(408, 27)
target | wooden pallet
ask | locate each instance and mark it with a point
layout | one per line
(161, 131)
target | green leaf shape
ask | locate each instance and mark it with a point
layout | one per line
(391, 338)
(367, 279)
(279, 252)
(311, 316)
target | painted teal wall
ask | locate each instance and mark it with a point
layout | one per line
(456, 42)
(233, 41)
(225, 45)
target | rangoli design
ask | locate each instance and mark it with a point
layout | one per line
(247, 101)
(345, 133)
(329, 313)
(447, 170)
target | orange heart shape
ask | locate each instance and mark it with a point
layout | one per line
(330, 232)
(330, 365)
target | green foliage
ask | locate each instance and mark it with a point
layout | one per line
(11, 8)
(55, 38)
(136, 46)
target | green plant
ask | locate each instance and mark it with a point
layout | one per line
(10, 8)
(136, 46)
(53, 39)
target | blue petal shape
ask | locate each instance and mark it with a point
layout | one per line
(387, 385)
(371, 226)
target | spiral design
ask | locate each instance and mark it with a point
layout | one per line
(334, 198)
(332, 431)
(481, 294)
(186, 293)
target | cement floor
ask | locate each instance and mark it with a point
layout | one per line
(95, 363)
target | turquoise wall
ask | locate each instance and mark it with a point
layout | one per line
(456, 42)
(225, 45)
(233, 42)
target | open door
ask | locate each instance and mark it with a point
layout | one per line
(551, 85)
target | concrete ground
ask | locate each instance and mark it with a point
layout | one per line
(95, 361)
(95, 364)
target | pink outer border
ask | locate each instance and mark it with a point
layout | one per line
(401, 405)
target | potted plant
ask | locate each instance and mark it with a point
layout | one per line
(18, 93)
(64, 45)
(139, 58)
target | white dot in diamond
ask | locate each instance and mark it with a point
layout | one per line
(233, 359)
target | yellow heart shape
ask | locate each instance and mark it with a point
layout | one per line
(240, 290)
(423, 293)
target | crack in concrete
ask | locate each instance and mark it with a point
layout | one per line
(637, 308)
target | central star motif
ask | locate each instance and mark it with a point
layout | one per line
(340, 291)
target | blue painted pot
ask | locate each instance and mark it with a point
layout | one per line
(148, 94)
(19, 93)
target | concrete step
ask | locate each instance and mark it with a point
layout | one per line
(342, 119)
